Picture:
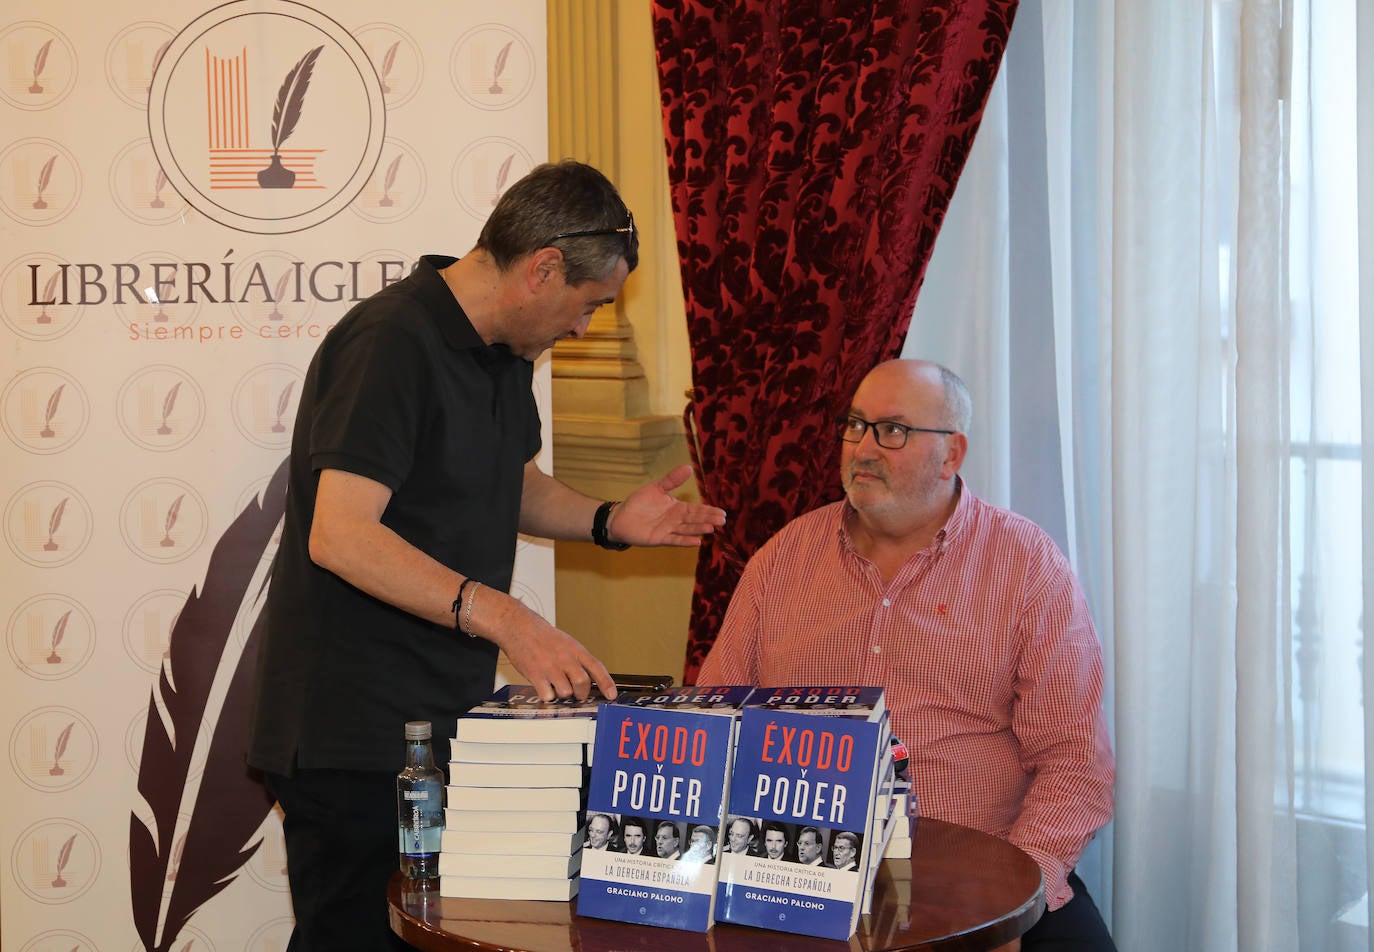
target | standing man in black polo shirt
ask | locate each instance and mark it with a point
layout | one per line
(412, 471)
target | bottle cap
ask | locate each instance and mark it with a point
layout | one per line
(418, 730)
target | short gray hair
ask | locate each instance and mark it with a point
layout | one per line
(958, 403)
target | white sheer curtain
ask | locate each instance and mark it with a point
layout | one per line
(1149, 277)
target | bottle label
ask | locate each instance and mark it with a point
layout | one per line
(416, 794)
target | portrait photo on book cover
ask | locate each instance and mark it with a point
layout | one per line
(638, 836)
(797, 843)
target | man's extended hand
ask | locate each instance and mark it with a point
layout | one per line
(651, 516)
(552, 661)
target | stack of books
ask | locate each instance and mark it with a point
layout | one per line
(811, 797)
(518, 779)
(658, 787)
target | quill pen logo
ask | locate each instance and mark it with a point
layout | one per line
(50, 636)
(53, 749)
(266, 116)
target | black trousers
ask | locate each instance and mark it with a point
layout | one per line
(341, 849)
(1076, 926)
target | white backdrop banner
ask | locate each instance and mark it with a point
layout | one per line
(187, 204)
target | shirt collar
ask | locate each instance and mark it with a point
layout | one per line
(454, 325)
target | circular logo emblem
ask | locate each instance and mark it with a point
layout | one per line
(44, 410)
(47, 524)
(163, 520)
(55, 861)
(42, 181)
(396, 188)
(40, 65)
(148, 627)
(492, 67)
(265, 404)
(161, 408)
(396, 57)
(141, 189)
(484, 169)
(266, 115)
(53, 749)
(131, 58)
(35, 297)
(50, 636)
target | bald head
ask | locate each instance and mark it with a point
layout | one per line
(933, 384)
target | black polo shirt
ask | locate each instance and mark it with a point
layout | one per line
(404, 392)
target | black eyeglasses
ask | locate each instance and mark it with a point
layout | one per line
(628, 230)
(889, 434)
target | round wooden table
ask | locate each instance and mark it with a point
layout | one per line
(961, 890)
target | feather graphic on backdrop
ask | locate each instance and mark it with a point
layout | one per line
(55, 523)
(44, 180)
(388, 61)
(291, 96)
(39, 63)
(389, 181)
(285, 114)
(283, 404)
(48, 288)
(64, 856)
(502, 174)
(50, 411)
(169, 403)
(173, 512)
(496, 88)
(59, 631)
(63, 739)
(229, 804)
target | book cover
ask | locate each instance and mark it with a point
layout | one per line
(515, 714)
(508, 887)
(508, 866)
(531, 821)
(510, 842)
(803, 797)
(462, 797)
(475, 752)
(654, 807)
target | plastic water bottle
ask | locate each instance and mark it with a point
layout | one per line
(420, 805)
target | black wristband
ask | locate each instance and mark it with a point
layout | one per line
(599, 534)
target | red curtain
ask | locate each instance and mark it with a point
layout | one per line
(813, 146)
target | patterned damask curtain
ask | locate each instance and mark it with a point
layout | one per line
(813, 146)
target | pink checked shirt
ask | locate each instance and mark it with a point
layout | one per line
(984, 644)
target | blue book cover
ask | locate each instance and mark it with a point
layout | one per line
(800, 816)
(654, 806)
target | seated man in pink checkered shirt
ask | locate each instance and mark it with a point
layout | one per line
(970, 618)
